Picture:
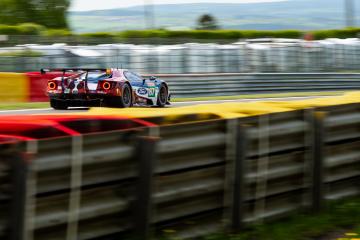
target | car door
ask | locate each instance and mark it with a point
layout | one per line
(141, 87)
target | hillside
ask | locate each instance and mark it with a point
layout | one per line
(291, 14)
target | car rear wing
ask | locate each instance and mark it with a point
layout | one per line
(75, 70)
(46, 70)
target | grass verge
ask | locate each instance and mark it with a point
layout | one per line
(17, 106)
(337, 217)
(259, 96)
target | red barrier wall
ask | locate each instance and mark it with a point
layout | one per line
(50, 126)
(40, 130)
(4, 139)
(38, 84)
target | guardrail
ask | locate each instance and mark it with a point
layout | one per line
(32, 86)
(186, 179)
(196, 85)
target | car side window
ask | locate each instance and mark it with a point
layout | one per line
(126, 74)
(105, 76)
(132, 76)
(137, 77)
(95, 77)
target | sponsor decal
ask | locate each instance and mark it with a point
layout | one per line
(142, 91)
(150, 84)
(151, 92)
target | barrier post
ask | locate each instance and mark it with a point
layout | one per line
(31, 191)
(11, 156)
(146, 157)
(18, 204)
(75, 188)
(318, 161)
(238, 191)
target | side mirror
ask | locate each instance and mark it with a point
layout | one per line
(152, 78)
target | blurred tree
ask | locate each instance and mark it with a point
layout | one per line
(50, 13)
(7, 9)
(207, 22)
(53, 13)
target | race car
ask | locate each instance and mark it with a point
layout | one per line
(121, 88)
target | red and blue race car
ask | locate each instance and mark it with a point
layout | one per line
(87, 87)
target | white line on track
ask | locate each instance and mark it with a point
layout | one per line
(26, 110)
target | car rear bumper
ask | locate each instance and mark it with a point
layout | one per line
(79, 100)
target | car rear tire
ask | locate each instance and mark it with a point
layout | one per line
(126, 96)
(162, 96)
(58, 105)
(124, 101)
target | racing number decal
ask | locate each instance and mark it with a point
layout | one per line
(151, 92)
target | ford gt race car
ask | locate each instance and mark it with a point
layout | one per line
(104, 87)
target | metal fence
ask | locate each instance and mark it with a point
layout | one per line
(187, 180)
(274, 55)
(195, 85)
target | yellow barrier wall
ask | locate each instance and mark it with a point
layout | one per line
(168, 115)
(349, 97)
(14, 87)
(226, 110)
(202, 111)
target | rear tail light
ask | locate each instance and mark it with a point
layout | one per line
(106, 85)
(52, 85)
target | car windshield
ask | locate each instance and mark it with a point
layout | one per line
(94, 77)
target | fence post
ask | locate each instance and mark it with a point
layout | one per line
(238, 191)
(318, 161)
(18, 178)
(75, 188)
(31, 190)
(146, 157)
(16, 171)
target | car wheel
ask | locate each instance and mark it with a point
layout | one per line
(58, 105)
(162, 96)
(126, 97)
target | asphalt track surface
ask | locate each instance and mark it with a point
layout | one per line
(176, 104)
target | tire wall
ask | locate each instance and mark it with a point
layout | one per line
(24, 87)
(14, 87)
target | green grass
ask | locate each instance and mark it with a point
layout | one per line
(17, 106)
(24, 53)
(337, 218)
(258, 96)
